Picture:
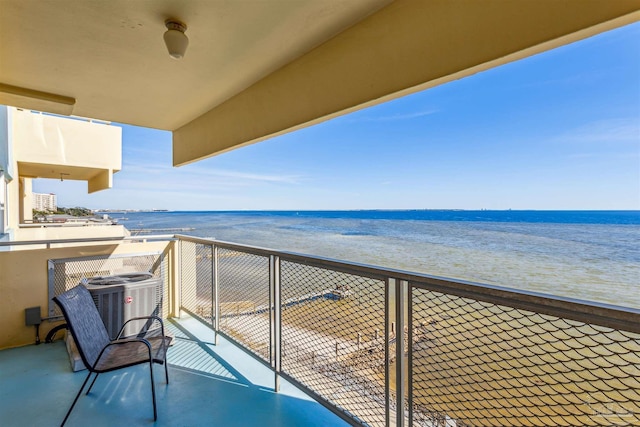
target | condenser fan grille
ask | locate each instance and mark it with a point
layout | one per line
(120, 279)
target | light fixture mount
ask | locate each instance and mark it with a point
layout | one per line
(175, 38)
(175, 25)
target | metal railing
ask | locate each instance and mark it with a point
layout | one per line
(49, 243)
(387, 347)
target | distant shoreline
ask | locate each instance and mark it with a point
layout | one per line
(367, 210)
(612, 217)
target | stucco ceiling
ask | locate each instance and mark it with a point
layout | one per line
(258, 68)
(110, 58)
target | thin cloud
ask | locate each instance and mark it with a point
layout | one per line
(626, 155)
(291, 179)
(188, 178)
(147, 168)
(239, 175)
(393, 117)
(612, 130)
(206, 171)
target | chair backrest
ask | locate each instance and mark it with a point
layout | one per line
(84, 322)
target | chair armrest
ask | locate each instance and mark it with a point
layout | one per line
(142, 318)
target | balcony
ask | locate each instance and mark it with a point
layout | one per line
(39, 145)
(55, 147)
(363, 344)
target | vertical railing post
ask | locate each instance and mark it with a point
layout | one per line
(272, 310)
(410, 354)
(278, 324)
(387, 355)
(179, 274)
(275, 319)
(215, 289)
(401, 302)
(172, 280)
(51, 281)
(212, 308)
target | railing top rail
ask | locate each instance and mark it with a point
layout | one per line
(52, 224)
(159, 237)
(607, 315)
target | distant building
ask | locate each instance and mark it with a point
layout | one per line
(45, 202)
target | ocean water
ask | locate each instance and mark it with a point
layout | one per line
(589, 255)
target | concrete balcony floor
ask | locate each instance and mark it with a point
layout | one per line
(210, 385)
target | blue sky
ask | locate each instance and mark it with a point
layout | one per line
(560, 130)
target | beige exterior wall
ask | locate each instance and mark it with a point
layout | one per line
(52, 140)
(71, 231)
(23, 284)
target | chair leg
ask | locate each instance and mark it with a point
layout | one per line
(166, 370)
(76, 399)
(153, 391)
(92, 383)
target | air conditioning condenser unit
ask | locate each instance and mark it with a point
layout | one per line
(125, 296)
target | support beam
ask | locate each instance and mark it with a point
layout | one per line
(101, 181)
(406, 47)
(36, 100)
(26, 199)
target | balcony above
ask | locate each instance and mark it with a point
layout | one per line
(47, 146)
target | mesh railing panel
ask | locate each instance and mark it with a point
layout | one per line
(65, 274)
(196, 279)
(333, 337)
(243, 291)
(481, 364)
(472, 363)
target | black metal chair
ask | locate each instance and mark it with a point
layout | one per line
(98, 352)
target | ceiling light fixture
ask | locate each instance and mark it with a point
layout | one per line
(175, 38)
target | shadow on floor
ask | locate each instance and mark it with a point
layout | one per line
(206, 389)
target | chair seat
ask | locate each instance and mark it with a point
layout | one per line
(129, 353)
